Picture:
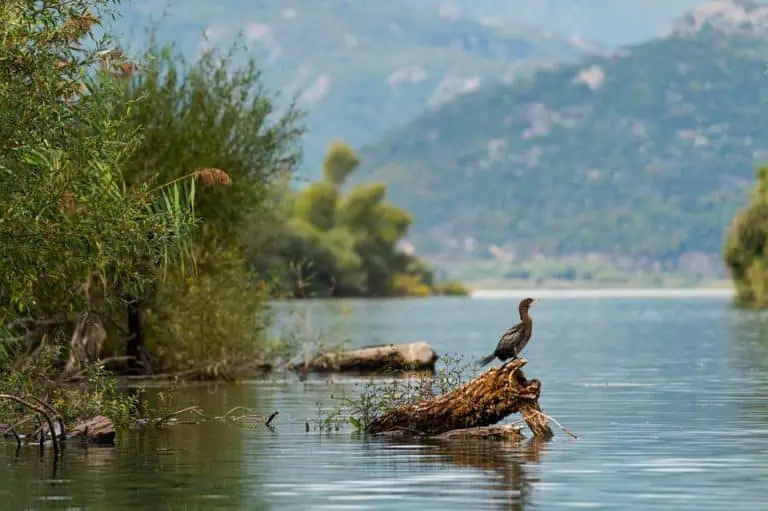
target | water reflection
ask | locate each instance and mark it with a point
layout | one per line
(511, 461)
(749, 341)
(748, 345)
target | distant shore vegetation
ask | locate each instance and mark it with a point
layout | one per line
(341, 241)
(746, 247)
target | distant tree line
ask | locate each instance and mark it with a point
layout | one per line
(345, 243)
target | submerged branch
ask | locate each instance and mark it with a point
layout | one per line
(43, 413)
(194, 409)
(558, 424)
(56, 414)
(227, 416)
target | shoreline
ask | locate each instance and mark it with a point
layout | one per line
(650, 292)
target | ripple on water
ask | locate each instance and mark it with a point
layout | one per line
(668, 398)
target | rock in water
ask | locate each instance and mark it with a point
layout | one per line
(414, 356)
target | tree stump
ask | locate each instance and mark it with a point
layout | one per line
(484, 401)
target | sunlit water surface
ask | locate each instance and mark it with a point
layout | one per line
(668, 395)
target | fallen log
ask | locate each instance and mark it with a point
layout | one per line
(396, 357)
(484, 401)
(97, 430)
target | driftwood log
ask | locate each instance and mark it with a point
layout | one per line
(484, 401)
(395, 357)
(97, 430)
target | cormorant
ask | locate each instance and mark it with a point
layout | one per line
(514, 340)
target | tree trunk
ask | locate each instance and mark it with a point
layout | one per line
(86, 344)
(134, 347)
(484, 401)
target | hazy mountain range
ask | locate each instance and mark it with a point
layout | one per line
(359, 67)
(364, 67)
(646, 152)
(519, 124)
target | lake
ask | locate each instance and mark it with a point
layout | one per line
(668, 394)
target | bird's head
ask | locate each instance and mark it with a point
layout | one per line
(525, 304)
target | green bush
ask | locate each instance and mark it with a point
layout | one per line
(746, 248)
(211, 326)
(96, 394)
(210, 114)
(346, 243)
(452, 288)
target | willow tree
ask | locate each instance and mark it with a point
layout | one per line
(70, 228)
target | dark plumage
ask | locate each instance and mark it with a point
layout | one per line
(514, 340)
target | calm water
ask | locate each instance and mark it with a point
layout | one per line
(669, 396)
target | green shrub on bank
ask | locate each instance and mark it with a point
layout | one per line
(348, 240)
(69, 227)
(211, 326)
(746, 247)
(96, 393)
(210, 113)
(128, 190)
(452, 288)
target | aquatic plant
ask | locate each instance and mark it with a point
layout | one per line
(377, 396)
(97, 393)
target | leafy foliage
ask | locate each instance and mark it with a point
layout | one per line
(212, 114)
(66, 214)
(96, 394)
(746, 247)
(650, 163)
(211, 326)
(107, 179)
(346, 244)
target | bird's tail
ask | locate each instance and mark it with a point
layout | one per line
(487, 360)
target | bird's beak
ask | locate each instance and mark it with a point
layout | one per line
(534, 301)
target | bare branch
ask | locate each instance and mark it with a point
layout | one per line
(41, 411)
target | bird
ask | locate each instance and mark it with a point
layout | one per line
(514, 340)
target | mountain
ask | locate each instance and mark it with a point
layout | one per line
(360, 68)
(608, 22)
(647, 152)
